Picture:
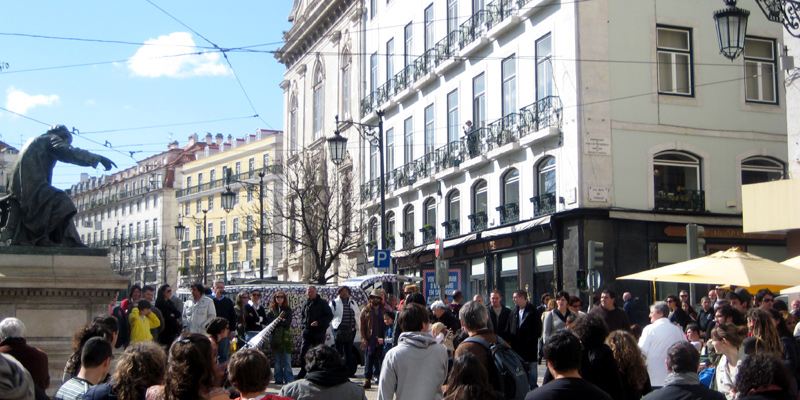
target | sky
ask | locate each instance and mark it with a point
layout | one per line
(159, 78)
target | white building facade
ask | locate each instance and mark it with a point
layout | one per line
(517, 131)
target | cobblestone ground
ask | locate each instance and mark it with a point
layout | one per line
(372, 394)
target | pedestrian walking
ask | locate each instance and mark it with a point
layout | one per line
(524, 326)
(416, 368)
(171, 326)
(281, 343)
(141, 365)
(682, 381)
(198, 311)
(13, 343)
(656, 340)
(316, 317)
(556, 319)
(346, 326)
(96, 358)
(143, 320)
(249, 373)
(325, 379)
(373, 331)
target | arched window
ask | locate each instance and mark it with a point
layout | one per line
(451, 224)
(509, 211)
(346, 86)
(429, 225)
(408, 227)
(761, 169)
(293, 122)
(676, 181)
(545, 200)
(372, 233)
(390, 229)
(319, 100)
(479, 214)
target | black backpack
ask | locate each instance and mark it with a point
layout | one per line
(512, 374)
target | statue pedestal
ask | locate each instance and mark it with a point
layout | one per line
(56, 291)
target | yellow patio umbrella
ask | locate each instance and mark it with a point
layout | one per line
(729, 267)
(793, 262)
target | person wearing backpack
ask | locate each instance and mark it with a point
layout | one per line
(500, 360)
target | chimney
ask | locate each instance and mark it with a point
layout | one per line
(209, 138)
(192, 140)
(172, 145)
(218, 138)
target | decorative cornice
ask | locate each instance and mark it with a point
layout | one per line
(12, 295)
(310, 28)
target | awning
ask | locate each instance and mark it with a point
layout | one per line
(519, 227)
(460, 240)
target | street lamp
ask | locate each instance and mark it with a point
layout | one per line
(229, 200)
(731, 24)
(162, 252)
(180, 229)
(338, 143)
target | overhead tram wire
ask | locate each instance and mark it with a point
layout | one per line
(169, 125)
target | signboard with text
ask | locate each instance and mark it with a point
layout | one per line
(431, 290)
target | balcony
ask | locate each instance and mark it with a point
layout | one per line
(408, 240)
(219, 267)
(185, 244)
(197, 242)
(509, 213)
(544, 204)
(221, 239)
(234, 237)
(684, 200)
(234, 266)
(452, 228)
(478, 221)
(543, 113)
(390, 242)
(249, 234)
(428, 234)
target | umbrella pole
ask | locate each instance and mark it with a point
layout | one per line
(654, 291)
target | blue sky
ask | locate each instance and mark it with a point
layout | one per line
(136, 85)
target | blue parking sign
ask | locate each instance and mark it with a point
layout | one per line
(383, 258)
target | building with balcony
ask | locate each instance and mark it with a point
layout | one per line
(231, 240)
(8, 156)
(518, 130)
(324, 79)
(132, 213)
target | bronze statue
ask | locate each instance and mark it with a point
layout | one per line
(34, 213)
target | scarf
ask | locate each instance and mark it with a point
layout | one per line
(327, 378)
(682, 378)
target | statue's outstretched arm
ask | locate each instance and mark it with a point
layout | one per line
(66, 153)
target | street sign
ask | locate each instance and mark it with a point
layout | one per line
(437, 250)
(594, 280)
(442, 277)
(383, 258)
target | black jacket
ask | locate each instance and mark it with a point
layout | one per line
(500, 322)
(225, 309)
(171, 327)
(684, 392)
(316, 310)
(524, 335)
(449, 320)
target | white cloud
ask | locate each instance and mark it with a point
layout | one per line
(20, 102)
(165, 56)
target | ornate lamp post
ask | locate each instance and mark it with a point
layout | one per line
(731, 24)
(229, 200)
(180, 232)
(180, 229)
(338, 144)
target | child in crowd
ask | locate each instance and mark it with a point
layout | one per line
(388, 329)
(142, 320)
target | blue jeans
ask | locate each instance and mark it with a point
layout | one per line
(224, 350)
(372, 361)
(533, 375)
(283, 368)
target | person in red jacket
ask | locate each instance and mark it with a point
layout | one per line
(12, 342)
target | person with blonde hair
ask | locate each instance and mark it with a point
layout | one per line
(726, 339)
(763, 334)
(630, 364)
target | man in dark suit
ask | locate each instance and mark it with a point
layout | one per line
(499, 315)
(524, 327)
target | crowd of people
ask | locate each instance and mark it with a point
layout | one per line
(730, 346)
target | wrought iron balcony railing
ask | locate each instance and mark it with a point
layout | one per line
(428, 234)
(233, 236)
(408, 239)
(452, 228)
(683, 200)
(509, 213)
(221, 239)
(478, 221)
(544, 204)
(233, 266)
(185, 244)
(543, 113)
(197, 242)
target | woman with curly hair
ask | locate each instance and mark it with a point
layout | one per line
(469, 380)
(141, 366)
(763, 377)
(191, 372)
(281, 340)
(104, 327)
(763, 334)
(630, 364)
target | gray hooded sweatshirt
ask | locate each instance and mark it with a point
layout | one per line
(415, 369)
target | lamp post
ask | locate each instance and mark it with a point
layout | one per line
(180, 229)
(229, 200)
(731, 23)
(338, 145)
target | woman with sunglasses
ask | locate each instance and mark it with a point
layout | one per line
(172, 317)
(281, 341)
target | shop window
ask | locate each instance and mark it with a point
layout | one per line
(761, 169)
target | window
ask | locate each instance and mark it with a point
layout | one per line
(319, 101)
(210, 203)
(429, 130)
(479, 101)
(372, 232)
(452, 16)
(674, 53)
(212, 175)
(677, 181)
(511, 187)
(761, 169)
(477, 5)
(453, 213)
(509, 72)
(373, 8)
(389, 60)
(198, 206)
(430, 212)
(544, 67)
(390, 227)
(429, 38)
(251, 164)
(545, 200)
(373, 162)
(223, 228)
(199, 180)
(235, 225)
(408, 44)
(408, 141)
(210, 232)
(452, 116)
(390, 149)
(293, 123)
(373, 72)
(479, 204)
(155, 227)
(346, 85)
(408, 220)
(146, 229)
(759, 70)
(238, 169)
(265, 160)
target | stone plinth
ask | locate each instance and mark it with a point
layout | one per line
(56, 291)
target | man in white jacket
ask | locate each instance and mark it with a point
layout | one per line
(656, 340)
(417, 367)
(198, 311)
(346, 327)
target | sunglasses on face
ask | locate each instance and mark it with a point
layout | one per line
(280, 297)
(768, 300)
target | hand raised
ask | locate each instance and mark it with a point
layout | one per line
(107, 164)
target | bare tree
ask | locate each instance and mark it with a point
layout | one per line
(316, 213)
